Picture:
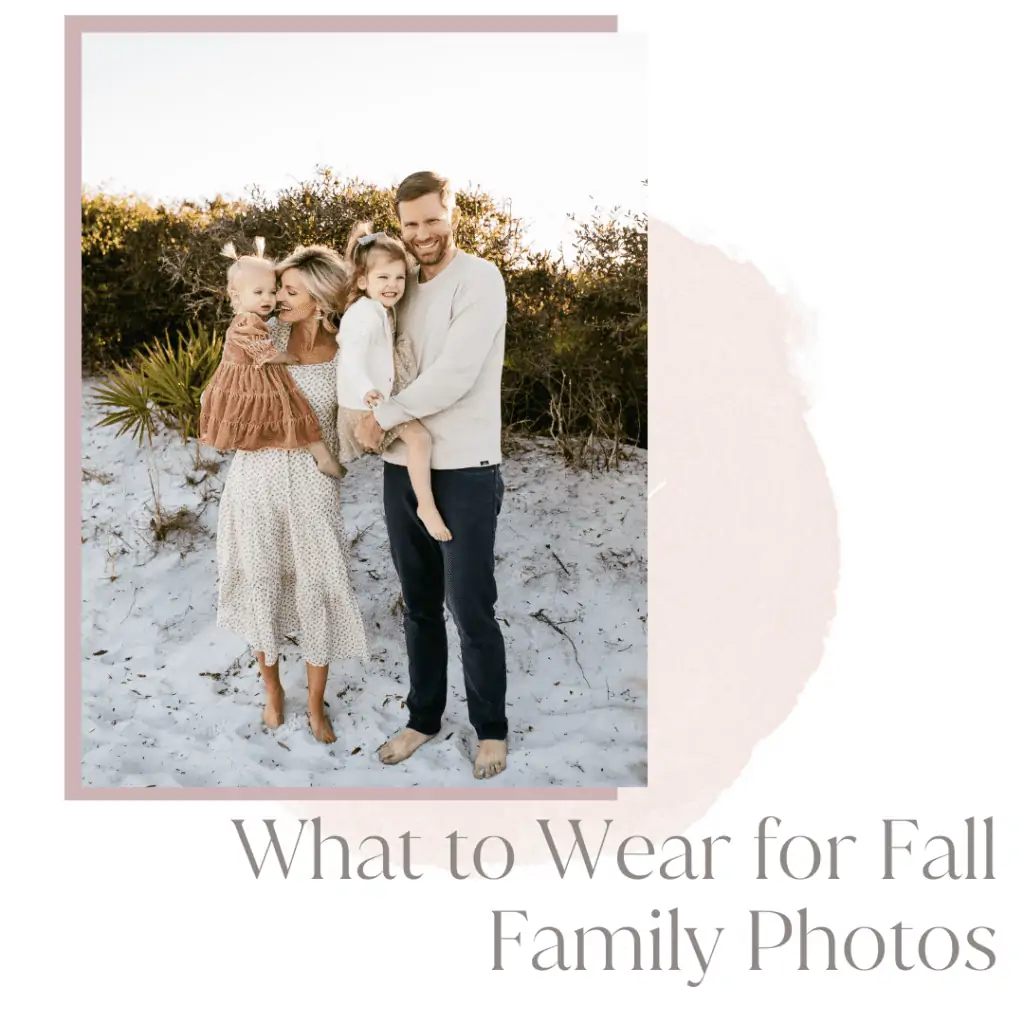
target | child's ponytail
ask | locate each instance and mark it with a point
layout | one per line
(362, 229)
(237, 262)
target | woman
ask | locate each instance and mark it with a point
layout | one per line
(282, 553)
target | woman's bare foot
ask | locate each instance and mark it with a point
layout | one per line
(399, 747)
(320, 727)
(432, 520)
(491, 756)
(273, 713)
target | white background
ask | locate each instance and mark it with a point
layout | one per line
(866, 159)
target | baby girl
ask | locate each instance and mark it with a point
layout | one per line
(252, 402)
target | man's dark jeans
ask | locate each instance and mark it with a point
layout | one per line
(462, 571)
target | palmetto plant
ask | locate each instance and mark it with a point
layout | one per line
(165, 386)
(125, 392)
(176, 375)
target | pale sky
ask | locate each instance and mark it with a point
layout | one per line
(548, 121)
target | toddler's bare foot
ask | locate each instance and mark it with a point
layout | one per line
(326, 462)
(490, 759)
(399, 747)
(273, 713)
(321, 727)
(432, 520)
(331, 467)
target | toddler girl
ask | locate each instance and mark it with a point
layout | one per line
(252, 402)
(373, 365)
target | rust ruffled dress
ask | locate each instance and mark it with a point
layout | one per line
(251, 404)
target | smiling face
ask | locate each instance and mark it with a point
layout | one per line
(253, 290)
(427, 228)
(294, 303)
(384, 279)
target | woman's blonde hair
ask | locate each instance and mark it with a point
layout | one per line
(363, 245)
(325, 276)
(240, 264)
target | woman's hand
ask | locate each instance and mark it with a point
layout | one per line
(372, 398)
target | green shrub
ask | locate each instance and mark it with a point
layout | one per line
(128, 298)
(576, 342)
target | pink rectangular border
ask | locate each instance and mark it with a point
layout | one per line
(75, 27)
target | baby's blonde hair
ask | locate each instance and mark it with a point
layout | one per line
(241, 264)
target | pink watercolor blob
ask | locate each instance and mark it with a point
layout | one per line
(743, 570)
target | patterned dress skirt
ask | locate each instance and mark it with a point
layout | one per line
(282, 550)
(405, 373)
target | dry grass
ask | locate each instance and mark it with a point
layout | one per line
(599, 449)
(184, 522)
(515, 441)
(626, 561)
(97, 476)
(205, 465)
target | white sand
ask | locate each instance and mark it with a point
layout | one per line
(171, 700)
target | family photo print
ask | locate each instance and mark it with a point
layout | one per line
(362, 444)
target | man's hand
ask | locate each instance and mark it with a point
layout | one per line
(368, 431)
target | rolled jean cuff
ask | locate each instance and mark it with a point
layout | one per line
(424, 727)
(493, 733)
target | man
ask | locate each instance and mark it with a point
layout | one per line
(454, 314)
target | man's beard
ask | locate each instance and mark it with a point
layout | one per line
(443, 245)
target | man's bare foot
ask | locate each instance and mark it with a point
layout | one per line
(490, 759)
(399, 747)
(320, 727)
(432, 520)
(273, 713)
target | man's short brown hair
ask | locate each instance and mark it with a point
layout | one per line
(425, 183)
